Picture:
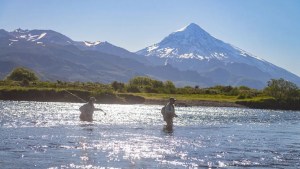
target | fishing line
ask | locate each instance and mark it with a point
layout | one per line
(83, 100)
(65, 90)
(75, 96)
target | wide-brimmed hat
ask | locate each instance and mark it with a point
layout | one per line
(172, 99)
(92, 99)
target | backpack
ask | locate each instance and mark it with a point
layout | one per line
(163, 110)
(82, 108)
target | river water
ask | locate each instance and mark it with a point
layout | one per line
(50, 135)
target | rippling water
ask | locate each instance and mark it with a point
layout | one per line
(50, 135)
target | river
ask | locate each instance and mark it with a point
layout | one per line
(50, 135)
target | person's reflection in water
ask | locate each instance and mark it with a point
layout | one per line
(87, 126)
(86, 146)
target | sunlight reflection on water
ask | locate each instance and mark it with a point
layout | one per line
(50, 135)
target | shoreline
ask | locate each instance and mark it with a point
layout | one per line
(122, 98)
(189, 103)
(179, 103)
(127, 98)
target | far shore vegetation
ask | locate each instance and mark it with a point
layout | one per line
(23, 84)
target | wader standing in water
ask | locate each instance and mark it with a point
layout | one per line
(169, 113)
(87, 110)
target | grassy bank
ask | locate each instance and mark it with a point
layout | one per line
(73, 95)
(143, 90)
(272, 104)
(19, 93)
(198, 97)
(65, 95)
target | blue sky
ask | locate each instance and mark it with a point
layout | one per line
(269, 29)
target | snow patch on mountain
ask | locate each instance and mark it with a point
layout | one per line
(27, 35)
(32, 38)
(14, 40)
(19, 30)
(41, 36)
(87, 43)
(151, 48)
(247, 54)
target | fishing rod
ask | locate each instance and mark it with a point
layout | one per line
(67, 91)
(75, 96)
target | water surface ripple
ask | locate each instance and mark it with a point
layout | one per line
(49, 135)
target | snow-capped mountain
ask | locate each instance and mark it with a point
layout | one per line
(192, 48)
(54, 56)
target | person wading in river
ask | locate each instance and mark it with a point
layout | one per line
(168, 112)
(87, 110)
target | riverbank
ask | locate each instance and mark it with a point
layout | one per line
(78, 96)
(188, 103)
(50, 95)
(105, 98)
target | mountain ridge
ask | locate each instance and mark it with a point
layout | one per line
(102, 61)
(62, 59)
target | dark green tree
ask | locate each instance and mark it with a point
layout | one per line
(117, 86)
(22, 74)
(146, 84)
(170, 87)
(132, 88)
(281, 89)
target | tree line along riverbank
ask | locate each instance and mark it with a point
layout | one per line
(23, 84)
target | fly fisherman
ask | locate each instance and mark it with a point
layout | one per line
(87, 110)
(169, 113)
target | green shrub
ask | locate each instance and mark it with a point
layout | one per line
(20, 74)
(133, 89)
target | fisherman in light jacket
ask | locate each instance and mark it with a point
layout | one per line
(87, 110)
(169, 114)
